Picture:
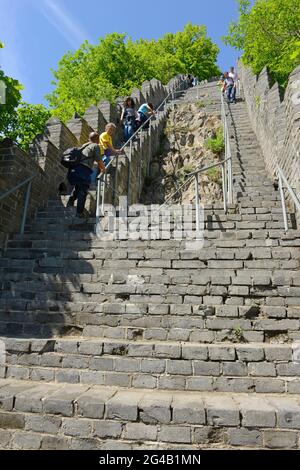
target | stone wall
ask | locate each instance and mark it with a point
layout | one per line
(275, 117)
(43, 159)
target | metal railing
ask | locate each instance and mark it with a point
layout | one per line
(226, 168)
(284, 184)
(102, 179)
(228, 183)
(195, 176)
(27, 181)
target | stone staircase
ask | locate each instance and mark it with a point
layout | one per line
(147, 345)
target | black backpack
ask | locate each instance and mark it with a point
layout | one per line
(73, 157)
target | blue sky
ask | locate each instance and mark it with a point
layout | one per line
(36, 33)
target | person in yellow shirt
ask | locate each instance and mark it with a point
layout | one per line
(106, 144)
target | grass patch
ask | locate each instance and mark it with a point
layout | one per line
(216, 143)
(200, 104)
(214, 174)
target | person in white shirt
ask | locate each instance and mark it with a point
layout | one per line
(232, 74)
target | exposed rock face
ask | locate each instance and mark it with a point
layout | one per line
(182, 152)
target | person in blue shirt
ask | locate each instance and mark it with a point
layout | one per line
(144, 112)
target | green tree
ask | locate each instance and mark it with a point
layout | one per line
(117, 64)
(18, 120)
(28, 121)
(10, 102)
(268, 33)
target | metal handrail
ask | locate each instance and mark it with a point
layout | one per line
(15, 188)
(282, 179)
(226, 166)
(27, 197)
(228, 156)
(102, 179)
(190, 178)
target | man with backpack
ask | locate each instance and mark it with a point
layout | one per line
(80, 165)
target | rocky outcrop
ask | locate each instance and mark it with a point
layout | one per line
(182, 151)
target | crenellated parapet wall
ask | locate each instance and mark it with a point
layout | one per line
(275, 117)
(43, 158)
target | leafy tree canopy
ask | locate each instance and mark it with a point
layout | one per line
(268, 33)
(109, 69)
(117, 64)
(28, 121)
(11, 98)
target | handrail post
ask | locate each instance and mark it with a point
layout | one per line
(98, 197)
(103, 193)
(230, 195)
(149, 149)
(224, 187)
(173, 98)
(115, 176)
(286, 227)
(26, 207)
(139, 177)
(129, 175)
(197, 203)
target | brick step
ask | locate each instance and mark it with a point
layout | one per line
(151, 220)
(242, 289)
(177, 365)
(84, 240)
(189, 265)
(82, 319)
(81, 241)
(224, 226)
(61, 416)
(250, 249)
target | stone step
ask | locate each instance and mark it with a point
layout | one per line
(54, 318)
(82, 241)
(70, 416)
(209, 220)
(250, 249)
(255, 368)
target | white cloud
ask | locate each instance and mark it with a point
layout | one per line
(61, 19)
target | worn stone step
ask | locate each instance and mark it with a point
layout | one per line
(223, 367)
(79, 319)
(48, 416)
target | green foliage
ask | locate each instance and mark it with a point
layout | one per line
(13, 98)
(20, 121)
(200, 104)
(238, 333)
(28, 121)
(216, 143)
(117, 64)
(269, 35)
(188, 168)
(257, 101)
(214, 174)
